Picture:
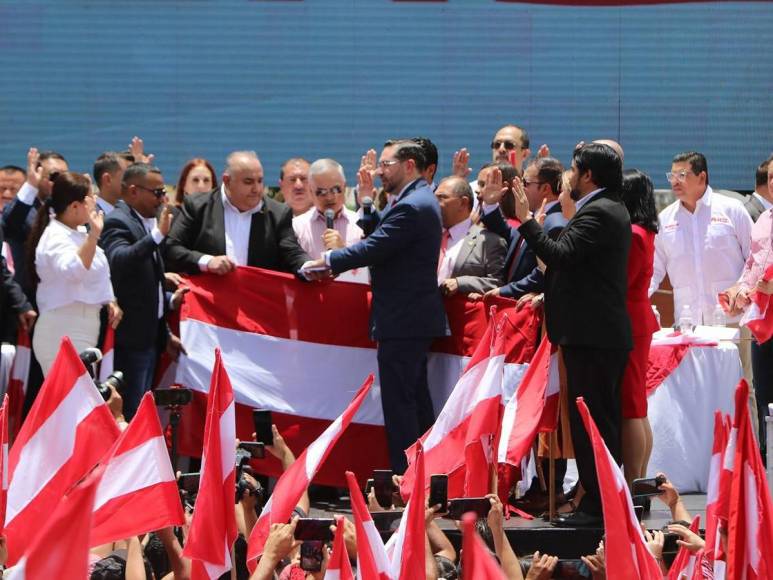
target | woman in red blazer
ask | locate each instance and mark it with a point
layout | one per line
(637, 434)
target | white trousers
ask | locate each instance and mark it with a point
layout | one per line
(79, 321)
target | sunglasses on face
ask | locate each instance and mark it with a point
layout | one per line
(158, 192)
(508, 145)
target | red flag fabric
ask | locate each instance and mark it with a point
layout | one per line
(60, 547)
(759, 314)
(478, 563)
(293, 482)
(68, 430)
(627, 556)
(524, 412)
(372, 561)
(461, 442)
(17, 383)
(339, 567)
(106, 365)
(406, 547)
(3, 458)
(750, 516)
(685, 561)
(717, 456)
(213, 529)
(138, 492)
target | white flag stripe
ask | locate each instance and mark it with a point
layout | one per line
(145, 465)
(51, 446)
(374, 539)
(17, 572)
(730, 450)
(553, 386)
(21, 364)
(753, 523)
(228, 433)
(714, 470)
(316, 450)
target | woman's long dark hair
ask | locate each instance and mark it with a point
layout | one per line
(638, 197)
(67, 188)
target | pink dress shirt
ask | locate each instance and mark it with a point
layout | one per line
(761, 255)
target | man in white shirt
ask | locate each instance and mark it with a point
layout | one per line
(327, 183)
(703, 242)
(11, 180)
(471, 259)
(761, 198)
(108, 173)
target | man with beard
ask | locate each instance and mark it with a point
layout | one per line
(585, 306)
(407, 309)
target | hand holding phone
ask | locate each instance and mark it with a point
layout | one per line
(460, 506)
(384, 487)
(261, 419)
(438, 492)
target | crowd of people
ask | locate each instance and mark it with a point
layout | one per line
(581, 239)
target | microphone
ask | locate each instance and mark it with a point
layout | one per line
(367, 205)
(90, 356)
(329, 218)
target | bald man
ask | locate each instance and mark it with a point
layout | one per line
(234, 225)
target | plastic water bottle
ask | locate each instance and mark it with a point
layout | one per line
(718, 317)
(685, 320)
(656, 313)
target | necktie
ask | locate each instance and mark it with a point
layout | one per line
(443, 248)
(514, 263)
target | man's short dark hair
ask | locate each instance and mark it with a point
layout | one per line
(696, 160)
(406, 149)
(286, 163)
(603, 162)
(136, 172)
(44, 155)
(549, 170)
(13, 169)
(430, 150)
(461, 188)
(107, 162)
(761, 175)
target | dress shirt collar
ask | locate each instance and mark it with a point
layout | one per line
(407, 187)
(765, 203)
(581, 202)
(318, 215)
(148, 223)
(79, 231)
(106, 206)
(549, 205)
(458, 231)
(705, 199)
(228, 206)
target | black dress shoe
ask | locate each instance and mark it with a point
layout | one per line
(579, 520)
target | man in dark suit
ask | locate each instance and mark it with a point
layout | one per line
(541, 184)
(471, 258)
(585, 306)
(407, 309)
(131, 238)
(234, 225)
(761, 198)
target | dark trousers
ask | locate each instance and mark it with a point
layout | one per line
(405, 399)
(137, 366)
(762, 367)
(596, 375)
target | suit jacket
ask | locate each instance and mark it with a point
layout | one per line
(517, 253)
(136, 270)
(534, 281)
(480, 262)
(18, 219)
(587, 275)
(199, 229)
(754, 207)
(640, 267)
(402, 254)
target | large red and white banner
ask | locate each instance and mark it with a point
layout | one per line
(301, 350)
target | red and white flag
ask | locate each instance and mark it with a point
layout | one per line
(339, 567)
(406, 548)
(524, 412)
(759, 314)
(685, 561)
(281, 321)
(293, 482)
(712, 521)
(478, 561)
(372, 561)
(67, 432)
(59, 546)
(213, 528)
(3, 459)
(750, 517)
(17, 383)
(627, 555)
(107, 364)
(138, 492)
(461, 442)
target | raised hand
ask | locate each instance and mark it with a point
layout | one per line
(165, 221)
(522, 212)
(460, 167)
(365, 187)
(544, 151)
(34, 173)
(137, 149)
(494, 188)
(568, 207)
(540, 216)
(96, 217)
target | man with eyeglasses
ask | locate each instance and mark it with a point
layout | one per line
(407, 310)
(510, 138)
(234, 225)
(131, 238)
(19, 214)
(328, 186)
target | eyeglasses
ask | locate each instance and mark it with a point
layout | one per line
(158, 192)
(53, 175)
(528, 183)
(679, 176)
(335, 190)
(388, 163)
(508, 145)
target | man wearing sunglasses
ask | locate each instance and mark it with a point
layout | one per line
(507, 140)
(131, 238)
